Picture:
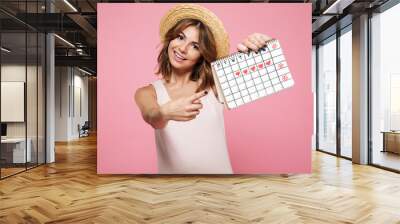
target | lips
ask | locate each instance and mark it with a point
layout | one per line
(178, 57)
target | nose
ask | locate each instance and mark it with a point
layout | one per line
(183, 47)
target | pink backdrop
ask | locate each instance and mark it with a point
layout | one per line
(272, 135)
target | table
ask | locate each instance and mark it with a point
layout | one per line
(391, 141)
(15, 148)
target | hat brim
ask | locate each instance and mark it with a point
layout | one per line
(192, 11)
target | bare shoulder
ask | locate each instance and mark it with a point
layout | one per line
(145, 92)
(149, 89)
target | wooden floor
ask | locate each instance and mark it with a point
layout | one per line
(70, 191)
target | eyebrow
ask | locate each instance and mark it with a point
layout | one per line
(186, 37)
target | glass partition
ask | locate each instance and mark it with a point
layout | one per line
(31, 100)
(13, 108)
(22, 88)
(327, 95)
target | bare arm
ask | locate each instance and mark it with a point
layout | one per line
(182, 109)
(146, 100)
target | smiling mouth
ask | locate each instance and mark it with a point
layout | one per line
(179, 57)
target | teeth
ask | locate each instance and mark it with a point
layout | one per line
(178, 56)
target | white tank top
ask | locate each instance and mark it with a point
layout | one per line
(197, 146)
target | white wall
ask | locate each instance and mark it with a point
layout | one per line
(62, 82)
(12, 73)
(80, 84)
(12, 101)
(71, 93)
(15, 72)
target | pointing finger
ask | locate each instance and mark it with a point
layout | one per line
(198, 95)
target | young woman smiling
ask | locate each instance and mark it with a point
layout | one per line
(182, 105)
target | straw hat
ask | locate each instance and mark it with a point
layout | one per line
(192, 11)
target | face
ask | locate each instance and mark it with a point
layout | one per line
(183, 51)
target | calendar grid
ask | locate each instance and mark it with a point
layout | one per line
(268, 74)
(236, 78)
(252, 77)
(268, 70)
(244, 81)
(233, 79)
(238, 88)
(277, 72)
(249, 94)
(220, 63)
(272, 58)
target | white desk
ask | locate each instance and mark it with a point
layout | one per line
(18, 149)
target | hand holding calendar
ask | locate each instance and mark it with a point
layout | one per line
(254, 42)
(245, 77)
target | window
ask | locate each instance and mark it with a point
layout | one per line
(346, 74)
(327, 95)
(385, 87)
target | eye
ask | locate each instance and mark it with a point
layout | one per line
(180, 37)
(195, 46)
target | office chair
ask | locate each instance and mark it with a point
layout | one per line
(84, 130)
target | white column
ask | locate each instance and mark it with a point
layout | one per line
(63, 101)
(50, 92)
(360, 90)
(50, 99)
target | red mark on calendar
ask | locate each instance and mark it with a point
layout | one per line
(237, 73)
(274, 46)
(268, 62)
(285, 78)
(260, 65)
(245, 71)
(253, 68)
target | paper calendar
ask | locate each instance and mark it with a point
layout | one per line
(244, 77)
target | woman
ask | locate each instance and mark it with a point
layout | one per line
(182, 106)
